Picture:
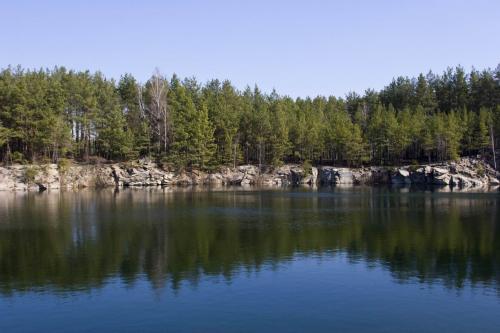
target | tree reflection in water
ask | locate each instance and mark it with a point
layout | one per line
(74, 241)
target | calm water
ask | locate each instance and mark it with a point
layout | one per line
(347, 260)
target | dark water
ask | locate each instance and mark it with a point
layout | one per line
(347, 260)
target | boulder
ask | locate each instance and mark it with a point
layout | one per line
(380, 175)
(442, 179)
(344, 176)
(420, 176)
(330, 175)
(466, 182)
(327, 175)
(104, 177)
(314, 175)
(48, 177)
(7, 181)
(183, 179)
(441, 176)
(246, 175)
(310, 179)
(400, 176)
(214, 179)
(296, 174)
(235, 178)
(362, 176)
(284, 173)
(465, 173)
(493, 181)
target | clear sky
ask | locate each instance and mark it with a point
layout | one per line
(301, 48)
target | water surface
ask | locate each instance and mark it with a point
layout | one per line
(294, 260)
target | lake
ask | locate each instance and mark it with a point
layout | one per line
(353, 259)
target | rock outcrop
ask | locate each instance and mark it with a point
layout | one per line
(466, 173)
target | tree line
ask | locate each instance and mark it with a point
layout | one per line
(49, 114)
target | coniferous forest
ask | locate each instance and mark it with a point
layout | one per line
(46, 115)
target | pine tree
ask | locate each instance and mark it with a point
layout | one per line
(224, 112)
(4, 140)
(113, 139)
(193, 134)
(129, 91)
(418, 119)
(453, 135)
(468, 120)
(481, 134)
(202, 138)
(424, 95)
(402, 135)
(427, 136)
(279, 142)
(46, 114)
(339, 134)
(356, 152)
(383, 134)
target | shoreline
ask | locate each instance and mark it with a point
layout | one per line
(466, 173)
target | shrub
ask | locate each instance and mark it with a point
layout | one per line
(18, 157)
(30, 174)
(165, 163)
(481, 172)
(307, 166)
(414, 165)
(44, 160)
(63, 165)
(97, 160)
(276, 162)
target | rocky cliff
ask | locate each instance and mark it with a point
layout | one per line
(466, 173)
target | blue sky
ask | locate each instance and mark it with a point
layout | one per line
(298, 47)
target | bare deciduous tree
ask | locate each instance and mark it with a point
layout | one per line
(156, 108)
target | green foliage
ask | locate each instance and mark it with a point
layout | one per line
(383, 134)
(414, 165)
(344, 138)
(46, 115)
(63, 165)
(481, 133)
(481, 172)
(135, 121)
(18, 157)
(30, 174)
(193, 134)
(357, 153)
(279, 144)
(307, 167)
(4, 135)
(224, 112)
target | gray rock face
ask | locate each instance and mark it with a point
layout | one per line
(379, 175)
(493, 181)
(314, 176)
(344, 176)
(7, 179)
(422, 175)
(341, 176)
(466, 173)
(327, 175)
(441, 176)
(400, 176)
(289, 174)
(299, 176)
(245, 175)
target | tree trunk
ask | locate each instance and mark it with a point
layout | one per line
(493, 147)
